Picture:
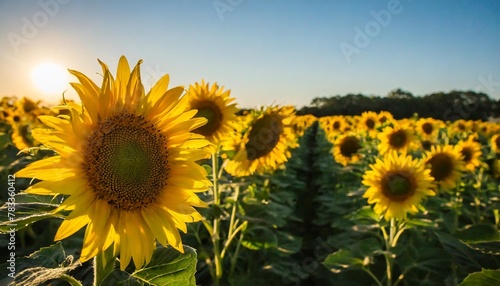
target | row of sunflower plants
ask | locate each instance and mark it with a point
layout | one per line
(264, 197)
(431, 187)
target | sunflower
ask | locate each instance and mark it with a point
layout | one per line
(368, 122)
(471, 152)
(396, 138)
(495, 143)
(428, 128)
(265, 144)
(460, 127)
(446, 165)
(426, 144)
(214, 104)
(397, 184)
(346, 149)
(301, 123)
(126, 161)
(21, 137)
(385, 117)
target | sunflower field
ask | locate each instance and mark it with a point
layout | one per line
(177, 186)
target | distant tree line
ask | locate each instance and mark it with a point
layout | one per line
(450, 106)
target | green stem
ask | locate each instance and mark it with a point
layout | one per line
(234, 259)
(367, 270)
(98, 261)
(233, 211)
(71, 280)
(216, 228)
(388, 255)
(230, 238)
(215, 165)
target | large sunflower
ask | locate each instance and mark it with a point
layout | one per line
(471, 153)
(398, 138)
(214, 104)
(265, 145)
(397, 184)
(127, 164)
(446, 165)
(346, 149)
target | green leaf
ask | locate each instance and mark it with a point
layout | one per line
(483, 278)
(170, 267)
(29, 208)
(257, 237)
(289, 243)
(342, 259)
(167, 267)
(48, 263)
(479, 233)
(420, 222)
(481, 237)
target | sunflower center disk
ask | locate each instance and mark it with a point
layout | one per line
(264, 136)
(370, 123)
(427, 128)
(126, 162)
(349, 146)
(497, 141)
(398, 139)
(397, 186)
(212, 113)
(441, 166)
(336, 125)
(426, 145)
(467, 153)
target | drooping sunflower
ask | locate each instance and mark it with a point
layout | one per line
(471, 153)
(397, 138)
(265, 144)
(346, 149)
(214, 104)
(126, 161)
(397, 184)
(446, 165)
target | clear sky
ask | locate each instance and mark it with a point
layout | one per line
(267, 51)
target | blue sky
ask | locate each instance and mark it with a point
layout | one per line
(268, 51)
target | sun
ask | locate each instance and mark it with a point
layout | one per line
(50, 78)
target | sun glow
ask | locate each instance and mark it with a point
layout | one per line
(50, 79)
